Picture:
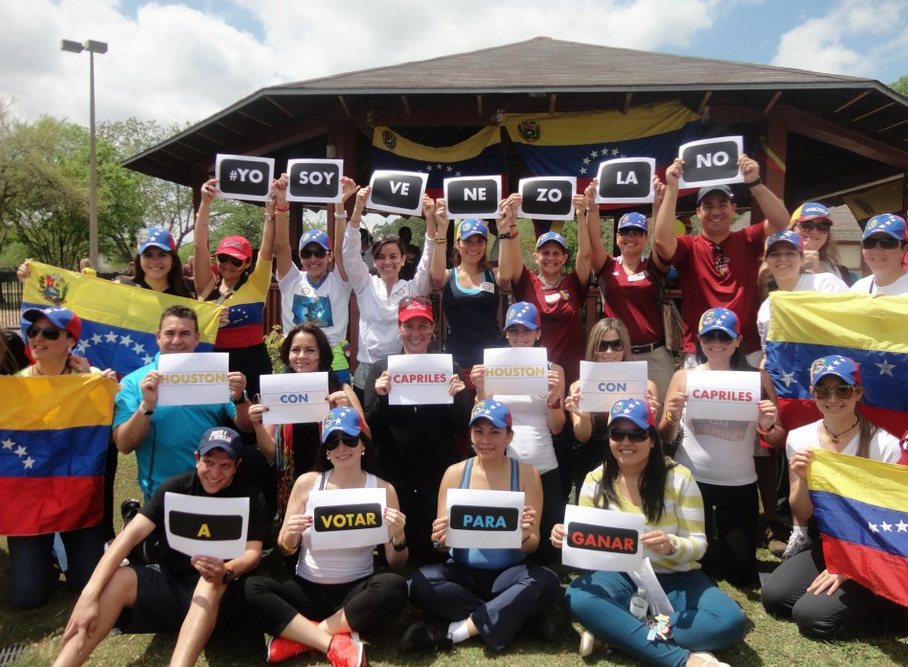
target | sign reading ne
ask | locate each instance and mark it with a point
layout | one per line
(347, 518)
(193, 378)
(314, 181)
(473, 197)
(397, 191)
(484, 519)
(603, 383)
(516, 371)
(729, 395)
(244, 177)
(598, 539)
(626, 180)
(198, 526)
(711, 162)
(294, 398)
(547, 198)
(420, 379)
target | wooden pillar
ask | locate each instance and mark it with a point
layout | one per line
(772, 166)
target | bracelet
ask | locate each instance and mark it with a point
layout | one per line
(672, 543)
(282, 210)
(766, 431)
(506, 236)
(288, 548)
(340, 216)
(355, 222)
(525, 539)
(440, 240)
(553, 405)
(669, 418)
(399, 547)
(754, 183)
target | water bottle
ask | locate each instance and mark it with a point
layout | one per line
(639, 605)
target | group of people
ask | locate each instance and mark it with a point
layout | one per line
(697, 483)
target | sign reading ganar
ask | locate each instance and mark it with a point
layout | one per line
(199, 526)
(314, 181)
(597, 539)
(484, 519)
(473, 197)
(347, 518)
(626, 180)
(244, 177)
(397, 191)
(711, 161)
(547, 198)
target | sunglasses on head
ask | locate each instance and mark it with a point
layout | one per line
(715, 336)
(886, 243)
(334, 441)
(634, 434)
(306, 253)
(809, 226)
(224, 259)
(50, 333)
(631, 231)
(614, 345)
(410, 300)
(841, 391)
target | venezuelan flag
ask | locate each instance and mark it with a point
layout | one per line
(480, 155)
(861, 507)
(118, 321)
(53, 440)
(807, 325)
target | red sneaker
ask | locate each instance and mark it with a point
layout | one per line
(347, 651)
(279, 649)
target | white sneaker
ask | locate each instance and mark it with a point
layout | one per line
(707, 659)
(586, 643)
(796, 544)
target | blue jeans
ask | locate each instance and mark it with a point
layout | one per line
(31, 563)
(705, 618)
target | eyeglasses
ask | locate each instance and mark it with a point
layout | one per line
(334, 441)
(634, 434)
(720, 261)
(885, 243)
(841, 391)
(224, 259)
(808, 226)
(306, 253)
(408, 301)
(614, 345)
(50, 333)
(631, 231)
(715, 336)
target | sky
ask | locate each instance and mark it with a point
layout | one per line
(179, 62)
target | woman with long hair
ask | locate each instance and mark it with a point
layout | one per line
(813, 222)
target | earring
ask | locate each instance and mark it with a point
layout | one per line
(433, 337)
(362, 453)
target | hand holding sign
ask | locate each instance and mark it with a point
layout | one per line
(711, 161)
(548, 198)
(626, 181)
(397, 191)
(244, 177)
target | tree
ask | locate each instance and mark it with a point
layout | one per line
(901, 86)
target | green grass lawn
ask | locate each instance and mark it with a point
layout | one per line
(768, 643)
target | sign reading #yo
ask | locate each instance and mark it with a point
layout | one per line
(244, 177)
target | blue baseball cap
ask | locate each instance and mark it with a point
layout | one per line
(719, 319)
(155, 237)
(550, 236)
(889, 224)
(634, 409)
(62, 318)
(494, 411)
(633, 221)
(316, 236)
(524, 313)
(221, 437)
(811, 210)
(835, 364)
(785, 236)
(472, 227)
(344, 419)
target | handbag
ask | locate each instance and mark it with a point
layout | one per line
(671, 318)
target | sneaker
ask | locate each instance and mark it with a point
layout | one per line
(796, 544)
(346, 651)
(589, 644)
(423, 637)
(128, 509)
(708, 660)
(278, 649)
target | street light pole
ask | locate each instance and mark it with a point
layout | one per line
(92, 47)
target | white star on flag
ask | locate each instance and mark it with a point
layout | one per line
(902, 526)
(126, 340)
(111, 337)
(28, 463)
(8, 443)
(788, 378)
(21, 451)
(885, 368)
(874, 528)
(138, 349)
(886, 527)
(96, 338)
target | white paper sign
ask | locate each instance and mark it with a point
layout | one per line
(193, 378)
(294, 398)
(347, 518)
(483, 519)
(728, 395)
(626, 180)
(547, 198)
(473, 197)
(199, 526)
(645, 578)
(599, 539)
(420, 379)
(516, 370)
(244, 177)
(603, 383)
(397, 191)
(314, 181)
(711, 162)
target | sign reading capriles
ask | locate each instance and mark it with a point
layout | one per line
(724, 395)
(598, 539)
(314, 181)
(347, 518)
(627, 180)
(397, 191)
(484, 519)
(473, 197)
(547, 198)
(420, 379)
(244, 177)
(711, 162)
(198, 526)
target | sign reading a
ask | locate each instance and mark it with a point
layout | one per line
(626, 180)
(200, 526)
(397, 191)
(547, 198)
(711, 162)
(244, 177)
(473, 197)
(314, 181)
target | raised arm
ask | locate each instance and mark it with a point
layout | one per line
(658, 198)
(282, 251)
(275, 207)
(422, 281)
(438, 269)
(510, 262)
(598, 254)
(201, 258)
(777, 217)
(347, 240)
(664, 241)
(582, 261)
(348, 189)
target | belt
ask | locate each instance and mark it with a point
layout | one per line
(643, 349)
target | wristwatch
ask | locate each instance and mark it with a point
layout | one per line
(244, 398)
(229, 575)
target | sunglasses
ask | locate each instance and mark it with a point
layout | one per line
(49, 333)
(631, 231)
(634, 434)
(720, 261)
(841, 391)
(306, 253)
(807, 226)
(334, 441)
(884, 243)
(410, 300)
(614, 345)
(224, 259)
(715, 337)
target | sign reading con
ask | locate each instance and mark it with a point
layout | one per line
(314, 181)
(244, 177)
(547, 198)
(473, 197)
(627, 180)
(397, 191)
(294, 398)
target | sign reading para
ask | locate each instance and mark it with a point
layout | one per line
(193, 378)
(199, 526)
(727, 395)
(473, 197)
(603, 383)
(244, 177)
(314, 181)
(347, 518)
(626, 180)
(397, 191)
(484, 519)
(598, 539)
(420, 379)
(547, 198)
(294, 398)
(711, 161)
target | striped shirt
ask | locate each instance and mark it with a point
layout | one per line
(682, 519)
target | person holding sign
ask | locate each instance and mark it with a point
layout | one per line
(181, 592)
(238, 286)
(379, 296)
(292, 448)
(826, 605)
(314, 294)
(719, 452)
(883, 249)
(335, 593)
(487, 592)
(636, 476)
(414, 468)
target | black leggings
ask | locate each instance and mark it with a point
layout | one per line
(732, 521)
(368, 603)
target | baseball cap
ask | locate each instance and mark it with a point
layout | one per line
(709, 189)
(524, 313)
(719, 319)
(62, 318)
(633, 221)
(221, 437)
(472, 227)
(550, 236)
(155, 237)
(887, 223)
(494, 411)
(785, 236)
(235, 246)
(635, 410)
(316, 236)
(835, 364)
(415, 306)
(344, 419)
(811, 210)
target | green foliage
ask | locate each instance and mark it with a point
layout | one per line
(273, 342)
(900, 86)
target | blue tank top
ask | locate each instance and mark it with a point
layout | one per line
(471, 319)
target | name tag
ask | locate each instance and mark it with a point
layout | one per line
(636, 277)
(552, 297)
(307, 291)
(487, 287)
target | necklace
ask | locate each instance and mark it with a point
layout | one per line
(835, 436)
